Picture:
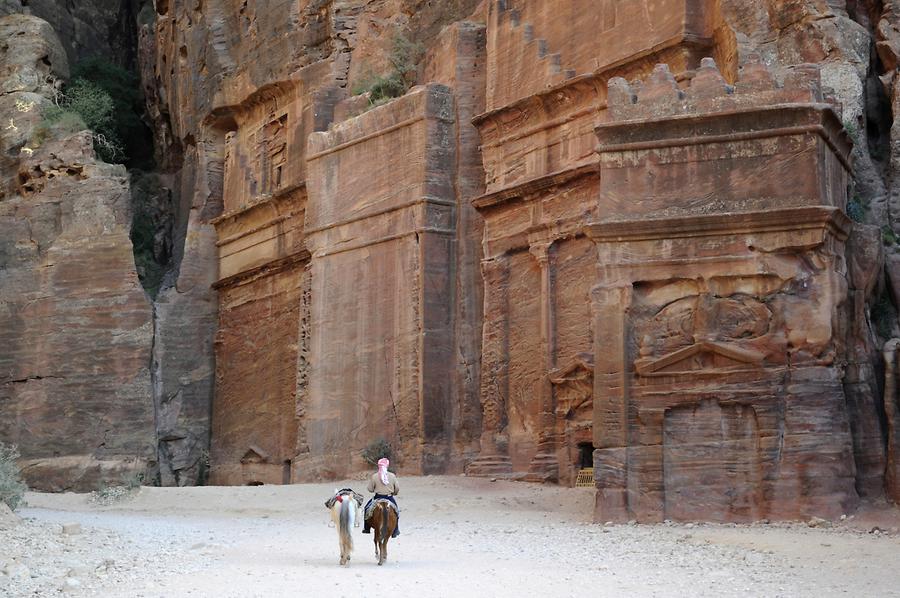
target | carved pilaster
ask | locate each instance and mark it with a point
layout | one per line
(303, 359)
(610, 307)
(545, 465)
(494, 370)
(495, 360)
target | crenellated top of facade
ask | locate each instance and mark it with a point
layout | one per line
(756, 106)
(660, 96)
(710, 147)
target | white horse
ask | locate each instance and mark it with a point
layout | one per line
(345, 512)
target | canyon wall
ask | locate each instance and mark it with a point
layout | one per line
(76, 326)
(87, 28)
(550, 256)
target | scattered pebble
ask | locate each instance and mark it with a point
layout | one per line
(71, 529)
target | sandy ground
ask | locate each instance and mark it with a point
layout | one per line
(461, 537)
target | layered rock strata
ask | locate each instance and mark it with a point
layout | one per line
(75, 325)
(460, 272)
(318, 238)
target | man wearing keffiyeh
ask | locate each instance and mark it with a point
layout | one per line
(384, 484)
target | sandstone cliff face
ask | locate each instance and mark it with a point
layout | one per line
(211, 75)
(463, 274)
(76, 324)
(230, 124)
(87, 28)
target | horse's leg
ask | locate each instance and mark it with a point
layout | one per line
(376, 531)
(392, 524)
(376, 520)
(336, 519)
(382, 542)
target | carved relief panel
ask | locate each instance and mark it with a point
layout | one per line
(700, 332)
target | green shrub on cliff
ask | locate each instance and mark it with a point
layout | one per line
(404, 61)
(83, 105)
(124, 89)
(107, 100)
(12, 488)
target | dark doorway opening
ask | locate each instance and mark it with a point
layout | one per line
(286, 472)
(585, 455)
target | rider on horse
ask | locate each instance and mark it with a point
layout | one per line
(384, 484)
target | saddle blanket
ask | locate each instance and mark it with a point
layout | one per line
(370, 508)
(356, 496)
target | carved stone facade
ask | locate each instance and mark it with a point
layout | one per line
(262, 344)
(385, 229)
(466, 274)
(542, 183)
(721, 301)
(349, 308)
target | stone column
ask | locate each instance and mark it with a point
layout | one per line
(610, 312)
(544, 466)
(494, 459)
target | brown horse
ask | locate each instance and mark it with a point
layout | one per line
(384, 522)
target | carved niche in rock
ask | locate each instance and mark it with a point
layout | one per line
(573, 388)
(573, 393)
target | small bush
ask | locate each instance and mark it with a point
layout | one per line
(83, 105)
(97, 109)
(107, 99)
(107, 495)
(888, 236)
(12, 488)
(404, 59)
(857, 208)
(377, 449)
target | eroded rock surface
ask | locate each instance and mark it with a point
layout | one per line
(76, 324)
(87, 28)
(460, 272)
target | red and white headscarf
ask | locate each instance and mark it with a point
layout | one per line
(383, 470)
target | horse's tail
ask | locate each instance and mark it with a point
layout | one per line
(385, 522)
(346, 522)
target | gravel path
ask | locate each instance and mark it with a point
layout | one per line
(461, 537)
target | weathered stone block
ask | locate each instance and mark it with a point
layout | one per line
(379, 222)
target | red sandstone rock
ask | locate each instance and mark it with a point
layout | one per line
(346, 286)
(75, 329)
(719, 399)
